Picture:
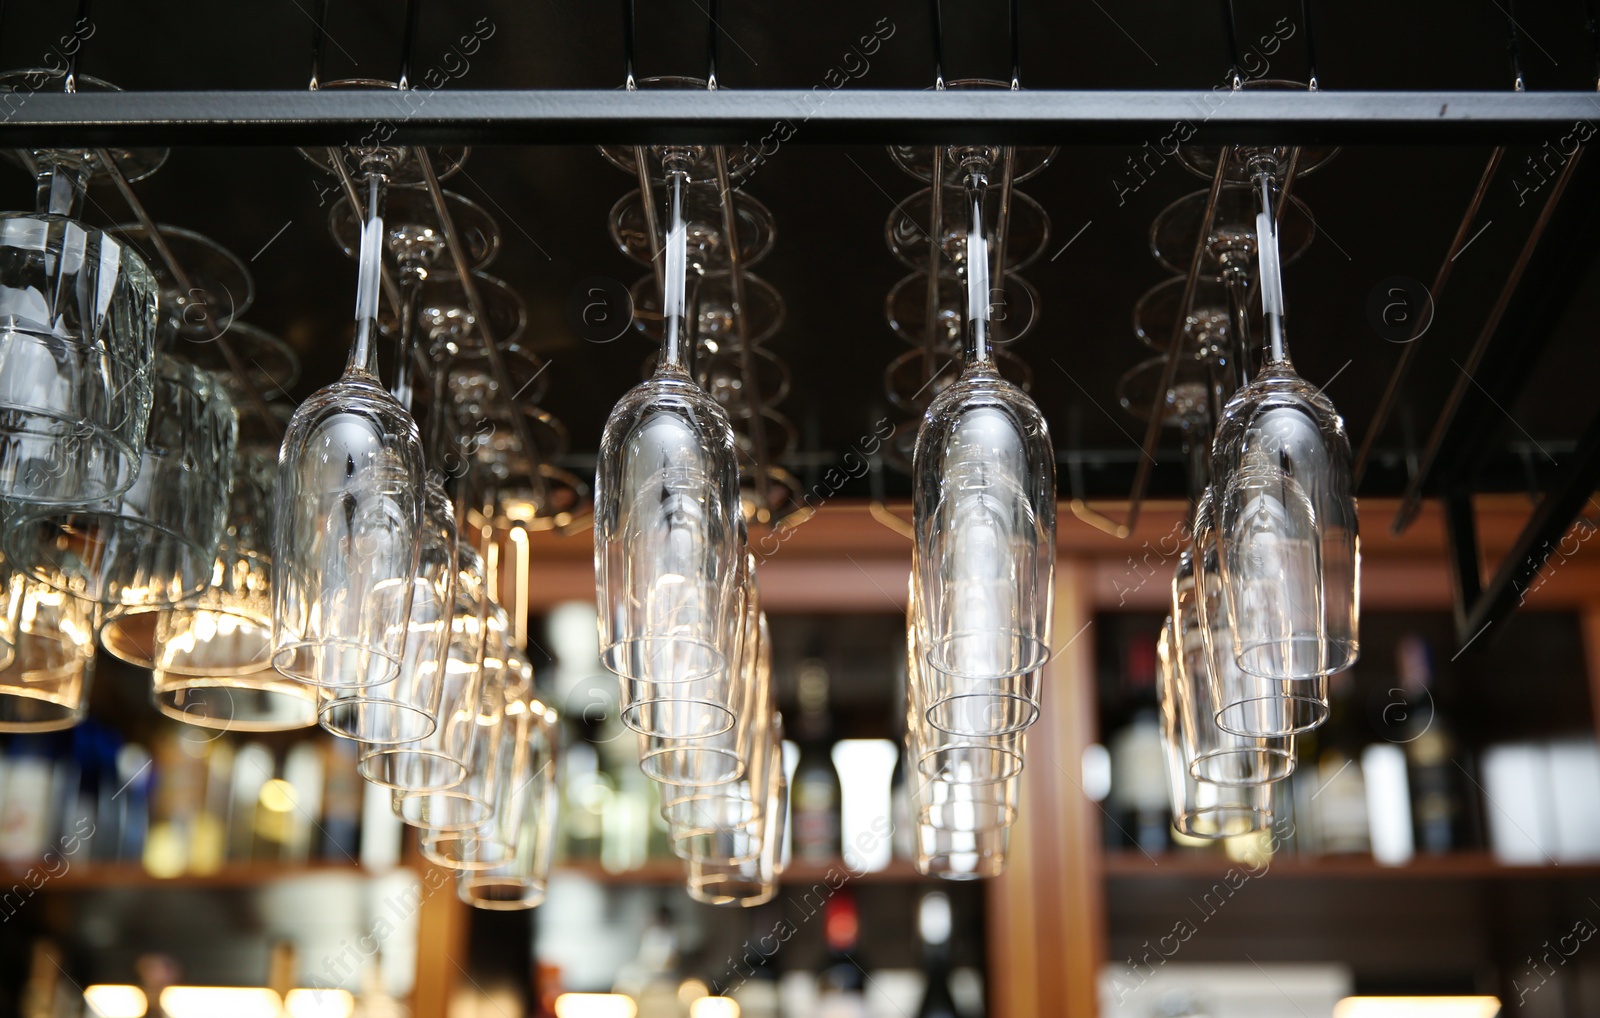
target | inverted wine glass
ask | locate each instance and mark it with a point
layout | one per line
(1200, 809)
(984, 516)
(349, 506)
(1289, 550)
(667, 553)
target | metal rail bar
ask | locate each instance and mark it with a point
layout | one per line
(1444, 424)
(1566, 497)
(848, 116)
(1408, 352)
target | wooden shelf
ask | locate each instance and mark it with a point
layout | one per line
(661, 872)
(1455, 866)
(89, 876)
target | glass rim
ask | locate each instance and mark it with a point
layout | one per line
(629, 715)
(293, 647)
(1259, 818)
(1305, 713)
(1031, 714)
(433, 840)
(405, 798)
(330, 705)
(1280, 763)
(371, 759)
(1347, 652)
(470, 882)
(117, 617)
(618, 648)
(67, 715)
(659, 773)
(264, 681)
(103, 517)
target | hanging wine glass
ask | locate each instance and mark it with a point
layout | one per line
(45, 687)
(1200, 809)
(1242, 704)
(440, 760)
(512, 871)
(271, 367)
(909, 224)
(705, 243)
(220, 285)
(211, 655)
(80, 316)
(1212, 753)
(349, 508)
(1289, 551)
(906, 309)
(155, 545)
(666, 541)
(984, 515)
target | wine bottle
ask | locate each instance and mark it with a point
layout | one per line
(842, 982)
(1436, 794)
(815, 792)
(933, 926)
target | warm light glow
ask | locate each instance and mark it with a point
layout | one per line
(319, 1004)
(1417, 1007)
(212, 1001)
(714, 1007)
(691, 990)
(107, 1000)
(596, 1005)
(277, 795)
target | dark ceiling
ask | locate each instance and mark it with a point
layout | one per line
(1381, 212)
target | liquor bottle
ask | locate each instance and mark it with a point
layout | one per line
(842, 982)
(933, 926)
(1438, 815)
(815, 791)
(1342, 804)
(341, 802)
(1140, 805)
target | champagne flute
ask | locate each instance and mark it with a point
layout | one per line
(984, 516)
(1289, 549)
(349, 507)
(667, 551)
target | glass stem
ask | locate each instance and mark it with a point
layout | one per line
(369, 276)
(1271, 273)
(402, 387)
(675, 278)
(978, 312)
(1237, 283)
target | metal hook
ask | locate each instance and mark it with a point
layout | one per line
(1514, 47)
(713, 8)
(70, 83)
(627, 46)
(1230, 31)
(408, 41)
(1016, 46)
(319, 39)
(1311, 44)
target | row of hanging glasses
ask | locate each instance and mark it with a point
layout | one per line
(1265, 596)
(984, 497)
(679, 610)
(269, 587)
(927, 233)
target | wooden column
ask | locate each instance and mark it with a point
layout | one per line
(441, 943)
(1047, 913)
